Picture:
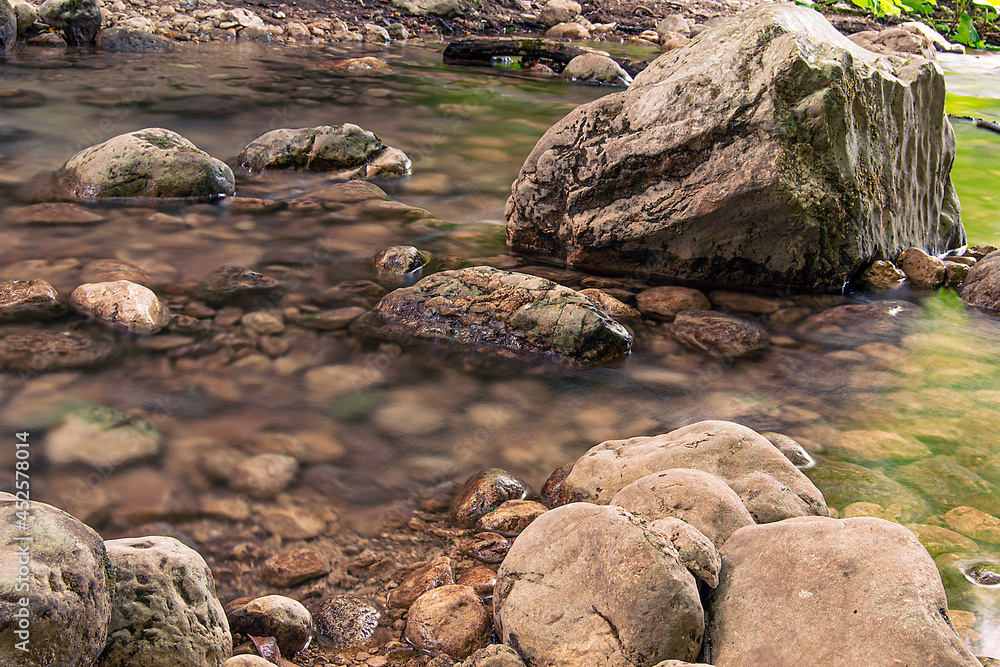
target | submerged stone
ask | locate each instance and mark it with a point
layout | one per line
(489, 308)
(123, 305)
(29, 300)
(147, 163)
(100, 437)
(766, 152)
(238, 286)
(45, 351)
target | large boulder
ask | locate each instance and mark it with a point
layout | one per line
(325, 148)
(165, 610)
(61, 571)
(593, 585)
(147, 163)
(834, 592)
(79, 20)
(770, 151)
(769, 485)
(8, 26)
(493, 309)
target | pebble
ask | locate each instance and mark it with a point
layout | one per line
(883, 274)
(52, 214)
(450, 620)
(663, 303)
(264, 323)
(45, 351)
(293, 567)
(109, 270)
(122, 304)
(955, 273)
(375, 34)
(494, 655)
(238, 286)
(487, 547)
(331, 320)
(22, 300)
(612, 306)
(352, 622)
(484, 492)
(920, 268)
(254, 206)
(275, 616)
(481, 578)
(436, 573)
(719, 334)
(264, 476)
(325, 383)
(740, 302)
(511, 517)
(100, 437)
(402, 265)
(291, 523)
(247, 660)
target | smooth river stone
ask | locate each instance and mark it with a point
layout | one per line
(28, 300)
(122, 304)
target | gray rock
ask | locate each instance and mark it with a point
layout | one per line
(701, 499)
(375, 34)
(100, 437)
(29, 300)
(63, 575)
(982, 286)
(719, 334)
(770, 487)
(449, 619)
(488, 308)
(855, 591)
(325, 148)
(264, 476)
(673, 23)
(747, 158)
(122, 304)
(445, 8)
(494, 655)
(555, 12)
(276, 616)
(238, 286)
(147, 163)
(857, 324)
(8, 26)
(165, 610)
(44, 351)
(590, 584)
(26, 15)
(597, 69)
(131, 40)
(79, 20)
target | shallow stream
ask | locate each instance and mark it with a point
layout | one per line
(920, 418)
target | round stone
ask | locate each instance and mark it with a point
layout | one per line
(351, 622)
(450, 620)
(483, 492)
(275, 616)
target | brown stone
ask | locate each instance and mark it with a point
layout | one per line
(481, 578)
(293, 567)
(511, 517)
(920, 268)
(719, 334)
(28, 300)
(432, 575)
(352, 622)
(483, 492)
(663, 303)
(487, 547)
(450, 620)
(275, 616)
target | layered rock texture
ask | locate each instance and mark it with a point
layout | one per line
(771, 151)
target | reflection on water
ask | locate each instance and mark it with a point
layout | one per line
(906, 424)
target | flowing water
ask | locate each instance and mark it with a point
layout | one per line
(405, 418)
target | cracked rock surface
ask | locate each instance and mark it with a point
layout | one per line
(592, 584)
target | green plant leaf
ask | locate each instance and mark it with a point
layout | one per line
(888, 8)
(967, 34)
(865, 4)
(923, 7)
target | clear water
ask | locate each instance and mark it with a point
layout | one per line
(413, 418)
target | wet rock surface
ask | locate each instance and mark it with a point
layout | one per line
(238, 286)
(623, 182)
(78, 20)
(982, 286)
(719, 334)
(856, 324)
(165, 609)
(22, 300)
(148, 163)
(573, 585)
(450, 619)
(123, 305)
(493, 309)
(770, 487)
(8, 26)
(69, 599)
(436, 573)
(276, 616)
(838, 574)
(484, 492)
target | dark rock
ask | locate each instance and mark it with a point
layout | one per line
(68, 594)
(53, 213)
(130, 40)
(857, 324)
(351, 622)
(883, 274)
(293, 567)
(22, 300)
(761, 153)
(719, 334)
(484, 492)
(861, 591)
(982, 286)
(238, 286)
(8, 26)
(402, 265)
(450, 620)
(46, 351)
(487, 547)
(79, 20)
(770, 487)
(275, 616)
(491, 309)
(432, 575)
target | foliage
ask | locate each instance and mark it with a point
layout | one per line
(973, 23)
